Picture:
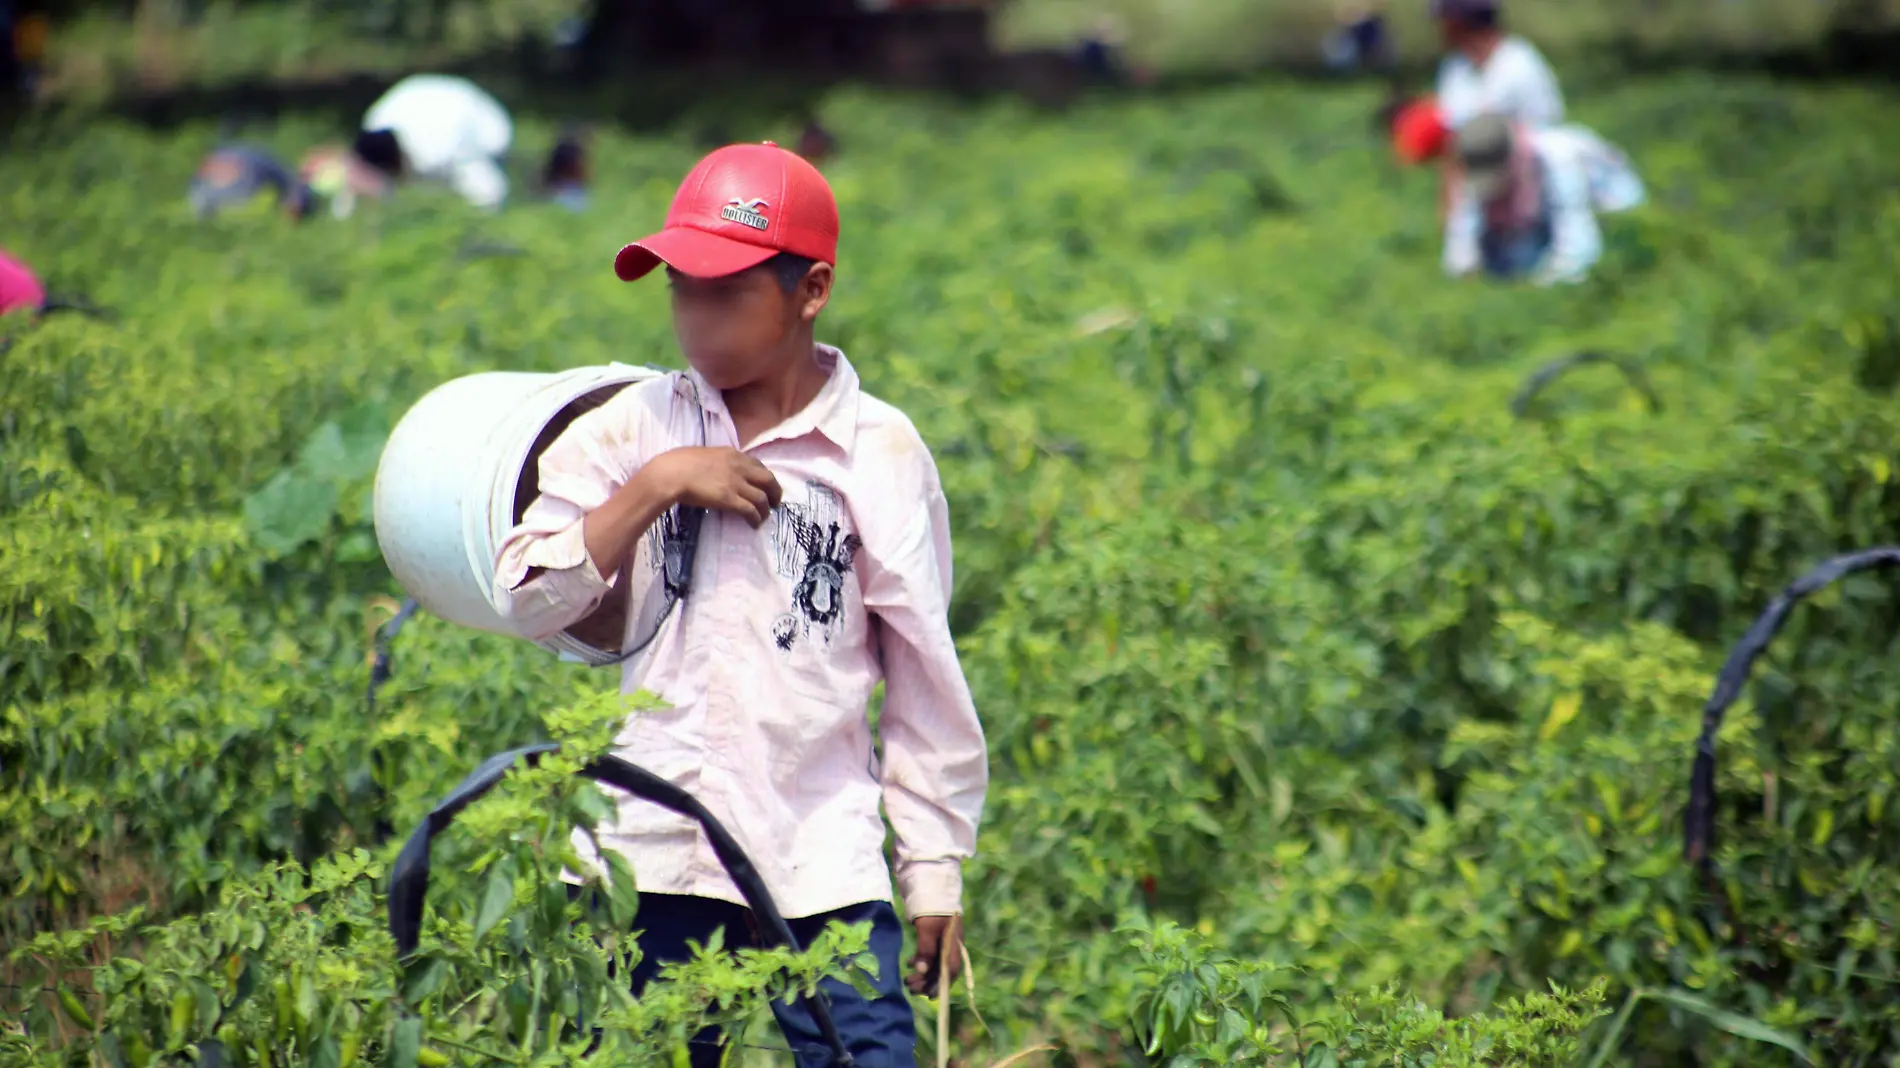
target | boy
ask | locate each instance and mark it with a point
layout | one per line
(823, 567)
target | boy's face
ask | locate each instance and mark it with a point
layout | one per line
(734, 330)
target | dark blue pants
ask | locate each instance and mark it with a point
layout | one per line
(880, 1033)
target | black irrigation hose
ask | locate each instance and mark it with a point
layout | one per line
(382, 667)
(1698, 844)
(486, 250)
(55, 305)
(409, 880)
(1548, 373)
(81, 305)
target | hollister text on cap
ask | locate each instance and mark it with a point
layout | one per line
(747, 213)
(741, 205)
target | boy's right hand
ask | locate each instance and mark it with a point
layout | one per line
(720, 478)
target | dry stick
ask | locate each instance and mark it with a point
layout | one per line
(1014, 1057)
(943, 992)
(969, 980)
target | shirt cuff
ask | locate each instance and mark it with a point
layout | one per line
(931, 887)
(568, 582)
(574, 582)
(565, 552)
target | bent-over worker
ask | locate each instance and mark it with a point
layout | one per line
(1528, 205)
(441, 127)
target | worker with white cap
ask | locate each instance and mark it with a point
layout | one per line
(442, 127)
(1528, 200)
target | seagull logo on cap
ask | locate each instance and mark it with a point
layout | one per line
(746, 212)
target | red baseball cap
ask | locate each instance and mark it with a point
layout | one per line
(18, 287)
(739, 207)
(1419, 132)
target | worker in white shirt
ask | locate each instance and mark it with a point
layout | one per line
(1488, 72)
(1528, 202)
(441, 127)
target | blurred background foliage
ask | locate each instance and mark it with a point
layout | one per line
(1309, 665)
(102, 49)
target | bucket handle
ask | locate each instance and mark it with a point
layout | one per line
(409, 880)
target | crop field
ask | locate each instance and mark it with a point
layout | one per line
(1342, 692)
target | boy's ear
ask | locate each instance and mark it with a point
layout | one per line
(814, 292)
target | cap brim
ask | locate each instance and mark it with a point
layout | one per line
(1488, 182)
(691, 252)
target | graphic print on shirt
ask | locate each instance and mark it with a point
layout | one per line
(666, 543)
(815, 551)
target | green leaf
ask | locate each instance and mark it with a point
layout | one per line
(307, 1000)
(1562, 711)
(324, 456)
(206, 1000)
(1232, 1028)
(112, 1051)
(424, 979)
(498, 895)
(288, 511)
(1734, 1023)
(623, 899)
(364, 430)
(348, 449)
(245, 986)
(1613, 1034)
(405, 1043)
(357, 547)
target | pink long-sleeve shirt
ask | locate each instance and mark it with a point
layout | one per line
(769, 663)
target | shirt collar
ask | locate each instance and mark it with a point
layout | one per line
(833, 413)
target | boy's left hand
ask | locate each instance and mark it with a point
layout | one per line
(939, 943)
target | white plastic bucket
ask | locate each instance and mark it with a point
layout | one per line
(448, 483)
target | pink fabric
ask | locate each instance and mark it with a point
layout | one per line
(18, 287)
(1520, 210)
(768, 691)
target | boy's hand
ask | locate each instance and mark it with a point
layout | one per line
(720, 478)
(939, 944)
